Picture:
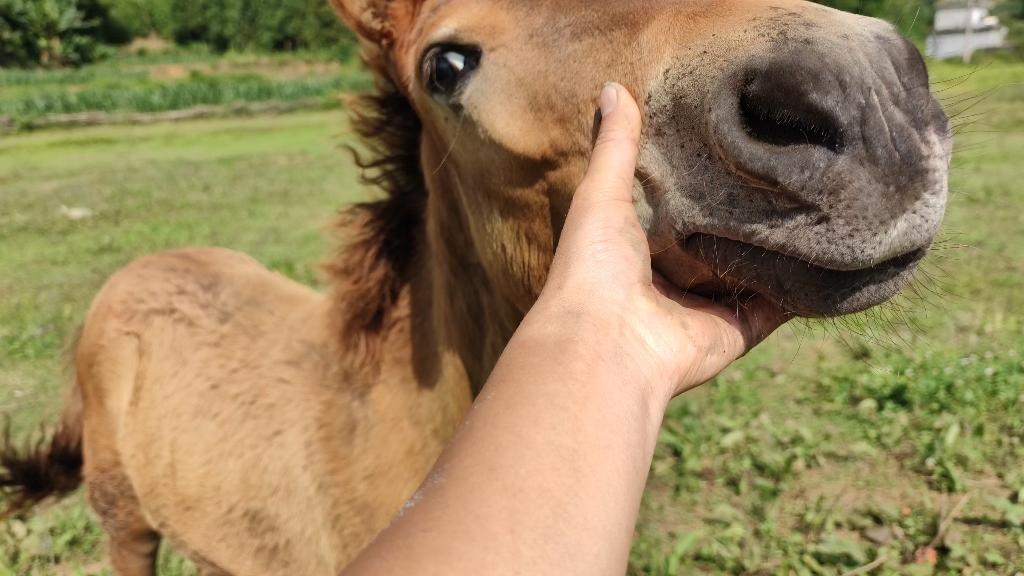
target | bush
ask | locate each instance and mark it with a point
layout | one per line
(912, 17)
(141, 17)
(1011, 14)
(73, 32)
(236, 24)
(53, 32)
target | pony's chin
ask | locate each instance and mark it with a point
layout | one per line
(739, 271)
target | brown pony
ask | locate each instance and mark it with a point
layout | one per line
(789, 150)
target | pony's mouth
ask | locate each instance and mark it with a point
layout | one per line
(741, 270)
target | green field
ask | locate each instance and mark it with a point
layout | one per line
(829, 447)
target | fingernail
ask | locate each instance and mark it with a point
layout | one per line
(609, 99)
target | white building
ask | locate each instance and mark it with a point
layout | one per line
(963, 27)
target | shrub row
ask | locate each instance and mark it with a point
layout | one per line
(53, 33)
(235, 24)
(197, 91)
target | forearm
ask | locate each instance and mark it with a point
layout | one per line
(546, 472)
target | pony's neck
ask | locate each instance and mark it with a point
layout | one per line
(444, 338)
(471, 322)
(469, 316)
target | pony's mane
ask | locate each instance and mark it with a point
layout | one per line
(368, 272)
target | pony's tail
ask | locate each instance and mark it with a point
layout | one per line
(47, 467)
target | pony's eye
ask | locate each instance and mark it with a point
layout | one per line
(446, 67)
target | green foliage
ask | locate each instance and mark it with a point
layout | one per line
(1011, 15)
(50, 32)
(729, 457)
(1010, 9)
(955, 415)
(61, 76)
(27, 335)
(33, 543)
(199, 90)
(912, 17)
(176, 80)
(237, 24)
(74, 32)
(141, 17)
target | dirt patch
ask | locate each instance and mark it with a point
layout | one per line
(148, 44)
(266, 67)
(170, 72)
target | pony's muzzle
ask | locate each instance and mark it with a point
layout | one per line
(836, 132)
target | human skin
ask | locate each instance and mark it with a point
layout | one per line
(546, 472)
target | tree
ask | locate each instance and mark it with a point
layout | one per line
(139, 17)
(47, 33)
(255, 24)
(912, 17)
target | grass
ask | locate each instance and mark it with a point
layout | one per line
(827, 448)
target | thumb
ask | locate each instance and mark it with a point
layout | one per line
(610, 176)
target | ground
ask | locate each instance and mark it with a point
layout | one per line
(891, 440)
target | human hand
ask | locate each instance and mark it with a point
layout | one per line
(601, 281)
(554, 454)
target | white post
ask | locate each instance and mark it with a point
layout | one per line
(968, 49)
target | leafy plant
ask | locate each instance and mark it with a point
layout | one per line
(238, 24)
(912, 17)
(199, 89)
(48, 33)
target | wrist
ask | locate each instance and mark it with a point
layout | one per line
(608, 352)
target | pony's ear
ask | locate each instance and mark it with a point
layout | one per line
(379, 22)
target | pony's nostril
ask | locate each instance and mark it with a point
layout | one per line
(771, 113)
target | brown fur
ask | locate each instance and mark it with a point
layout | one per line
(267, 429)
(375, 261)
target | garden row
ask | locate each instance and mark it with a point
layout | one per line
(197, 90)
